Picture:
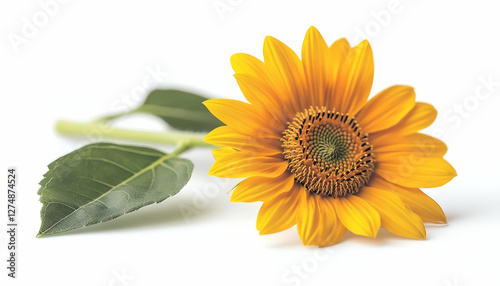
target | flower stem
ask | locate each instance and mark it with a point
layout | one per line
(102, 129)
(114, 116)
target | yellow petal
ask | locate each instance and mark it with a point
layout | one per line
(338, 51)
(287, 74)
(419, 202)
(355, 77)
(317, 62)
(395, 215)
(261, 188)
(250, 65)
(318, 223)
(421, 116)
(229, 137)
(308, 223)
(245, 164)
(222, 152)
(240, 116)
(419, 144)
(386, 108)
(280, 213)
(261, 95)
(415, 172)
(357, 215)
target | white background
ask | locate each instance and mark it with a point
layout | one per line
(89, 58)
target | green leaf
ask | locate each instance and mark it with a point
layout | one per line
(181, 110)
(102, 181)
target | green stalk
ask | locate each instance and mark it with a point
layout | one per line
(102, 129)
(114, 116)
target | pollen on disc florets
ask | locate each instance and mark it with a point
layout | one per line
(327, 152)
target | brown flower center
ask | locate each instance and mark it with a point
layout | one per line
(327, 152)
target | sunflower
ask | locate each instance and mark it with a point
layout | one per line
(318, 153)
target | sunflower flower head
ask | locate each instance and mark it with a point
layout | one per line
(318, 153)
